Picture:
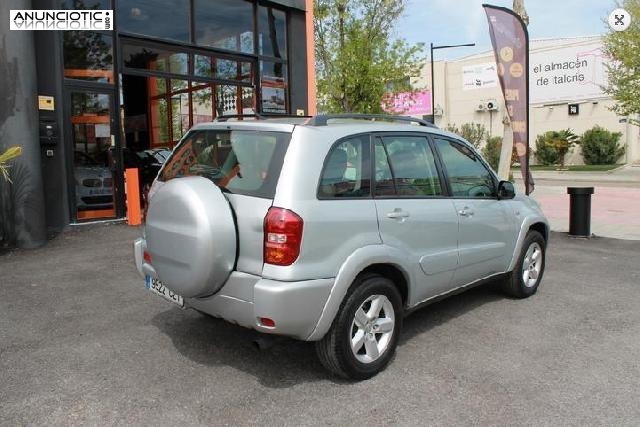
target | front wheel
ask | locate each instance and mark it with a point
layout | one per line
(364, 334)
(527, 273)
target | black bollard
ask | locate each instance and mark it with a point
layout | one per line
(580, 211)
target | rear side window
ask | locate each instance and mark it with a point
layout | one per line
(238, 161)
(405, 166)
(346, 170)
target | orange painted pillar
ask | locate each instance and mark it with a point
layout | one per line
(311, 61)
(132, 190)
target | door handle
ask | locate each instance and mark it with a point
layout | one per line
(465, 211)
(398, 214)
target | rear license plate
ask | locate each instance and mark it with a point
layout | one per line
(156, 286)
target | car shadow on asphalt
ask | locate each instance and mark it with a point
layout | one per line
(213, 342)
(433, 315)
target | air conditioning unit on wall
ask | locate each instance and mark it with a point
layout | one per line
(491, 105)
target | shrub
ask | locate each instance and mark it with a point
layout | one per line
(491, 151)
(475, 133)
(600, 147)
(555, 144)
(546, 153)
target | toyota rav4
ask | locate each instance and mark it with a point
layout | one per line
(332, 229)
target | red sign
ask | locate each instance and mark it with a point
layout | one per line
(410, 103)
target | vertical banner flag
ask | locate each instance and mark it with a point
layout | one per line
(510, 41)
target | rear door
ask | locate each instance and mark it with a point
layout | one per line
(487, 228)
(245, 165)
(414, 213)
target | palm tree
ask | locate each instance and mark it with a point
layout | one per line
(562, 141)
(10, 154)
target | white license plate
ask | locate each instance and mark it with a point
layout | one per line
(156, 286)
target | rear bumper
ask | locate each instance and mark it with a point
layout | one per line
(295, 307)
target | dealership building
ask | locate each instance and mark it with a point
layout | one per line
(566, 76)
(86, 105)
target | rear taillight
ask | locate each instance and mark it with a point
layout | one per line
(282, 236)
(147, 257)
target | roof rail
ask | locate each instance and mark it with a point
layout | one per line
(260, 116)
(322, 119)
(237, 116)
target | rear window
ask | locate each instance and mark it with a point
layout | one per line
(238, 161)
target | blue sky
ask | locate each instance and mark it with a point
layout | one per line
(464, 21)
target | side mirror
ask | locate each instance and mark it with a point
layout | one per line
(506, 190)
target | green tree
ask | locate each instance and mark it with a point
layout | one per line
(358, 59)
(623, 47)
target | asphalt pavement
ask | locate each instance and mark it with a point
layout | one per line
(83, 342)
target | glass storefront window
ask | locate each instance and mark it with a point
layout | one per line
(272, 32)
(178, 85)
(248, 100)
(226, 69)
(202, 104)
(159, 123)
(226, 100)
(165, 19)
(224, 24)
(179, 115)
(88, 55)
(85, 4)
(157, 86)
(151, 58)
(273, 78)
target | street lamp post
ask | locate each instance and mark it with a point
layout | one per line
(433, 98)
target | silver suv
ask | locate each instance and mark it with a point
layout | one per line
(333, 229)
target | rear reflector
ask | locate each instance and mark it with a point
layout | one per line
(265, 321)
(282, 236)
(147, 257)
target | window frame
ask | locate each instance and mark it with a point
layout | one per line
(446, 190)
(366, 162)
(445, 172)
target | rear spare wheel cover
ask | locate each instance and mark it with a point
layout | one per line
(191, 236)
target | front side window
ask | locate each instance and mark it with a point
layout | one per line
(405, 166)
(467, 175)
(346, 170)
(244, 162)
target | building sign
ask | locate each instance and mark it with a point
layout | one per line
(574, 109)
(573, 73)
(479, 76)
(409, 103)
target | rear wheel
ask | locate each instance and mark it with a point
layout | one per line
(364, 334)
(527, 273)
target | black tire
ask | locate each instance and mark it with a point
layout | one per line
(334, 349)
(514, 284)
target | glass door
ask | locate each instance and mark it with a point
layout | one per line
(95, 162)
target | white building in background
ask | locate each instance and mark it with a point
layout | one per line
(566, 76)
